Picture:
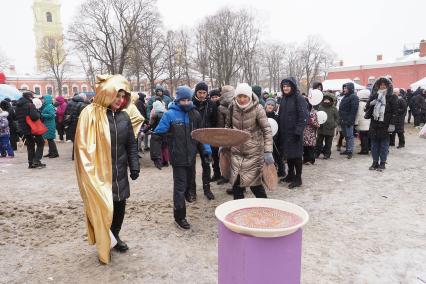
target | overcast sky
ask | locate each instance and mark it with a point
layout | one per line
(355, 30)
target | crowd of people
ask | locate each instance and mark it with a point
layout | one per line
(110, 130)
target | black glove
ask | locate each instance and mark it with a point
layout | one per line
(157, 164)
(208, 158)
(134, 175)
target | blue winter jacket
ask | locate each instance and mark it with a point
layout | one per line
(178, 125)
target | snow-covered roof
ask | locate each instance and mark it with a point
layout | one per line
(336, 84)
(400, 61)
(420, 83)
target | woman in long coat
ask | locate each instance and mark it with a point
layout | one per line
(293, 116)
(247, 159)
(48, 116)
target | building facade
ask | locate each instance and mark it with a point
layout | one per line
(404, 71)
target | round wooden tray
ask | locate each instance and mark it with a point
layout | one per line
(220, 137)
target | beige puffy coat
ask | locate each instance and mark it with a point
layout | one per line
(247, 159)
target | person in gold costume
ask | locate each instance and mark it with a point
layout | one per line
(105, 147)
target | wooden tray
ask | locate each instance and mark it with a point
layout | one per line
(220, 137)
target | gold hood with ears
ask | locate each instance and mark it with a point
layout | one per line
(93, 165)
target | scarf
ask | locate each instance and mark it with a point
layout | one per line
(379, 106)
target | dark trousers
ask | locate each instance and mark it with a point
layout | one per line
(118, 217)
(380, 149)
(34, 154)
(409, 115)
(258, 190)
(309, 154)
(365, 141)
(182, 184)
(401, 138)
(53, 150)
(14, 140)
(340, 141)
(323, 145)
(206, 175)
(295, 168)
(279, 163)
(61, 130)
(215, 157)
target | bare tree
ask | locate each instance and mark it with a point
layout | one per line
(53, 59)
(293, 62)
(151, 44)
(249, 49)
(315, 56)
(173, 67)
(202, 57)
(273, 58)
(224, 43)
(185, 54)
(107, 29)
(4, 61)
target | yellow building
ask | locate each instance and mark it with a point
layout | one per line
(47, 26)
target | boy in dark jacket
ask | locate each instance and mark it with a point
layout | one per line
(178, 122)
(399, 121)
(348, 110)
(327, 129)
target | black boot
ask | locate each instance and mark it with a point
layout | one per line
(180, 218)
(120, 246)
(288, 178)
(208, 193)
(296, 183)
(374, 166)
(222, 180)
(382, 166)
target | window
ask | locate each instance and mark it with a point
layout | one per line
(65, 90)
(49, 90)
(84, 89)
(37, 90)
(49, 17)
(74, 90)
(24, 87)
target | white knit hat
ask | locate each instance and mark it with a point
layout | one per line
(244, 89)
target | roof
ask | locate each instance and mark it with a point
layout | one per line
(337, 84)
(411, 59)
(420, 83)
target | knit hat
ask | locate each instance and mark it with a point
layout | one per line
(227, 88)
(201, 87)
(214, 93)
(257, 90)
(158, 107)
(244, 89)
(182, 93)
(271, 101)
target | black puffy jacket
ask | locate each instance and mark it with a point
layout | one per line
(379, 129)
(348, 108)
(25, 107)
(208, 112)
(400, 115)
(71, 115)
(124, 153)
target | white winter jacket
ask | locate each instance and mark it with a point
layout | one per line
(361, 123)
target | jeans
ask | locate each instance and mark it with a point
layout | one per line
(348, 132)
(324, 143)
(34, 155)
(380, 149)
(5, 145)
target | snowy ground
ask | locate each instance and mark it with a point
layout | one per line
(365, 227)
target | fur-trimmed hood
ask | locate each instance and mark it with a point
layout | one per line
(383, 80)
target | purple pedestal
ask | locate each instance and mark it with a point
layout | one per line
(251, 260)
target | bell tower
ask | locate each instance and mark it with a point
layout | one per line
(47, 26)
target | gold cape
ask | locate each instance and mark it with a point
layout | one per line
(93, 165)
(136, 117)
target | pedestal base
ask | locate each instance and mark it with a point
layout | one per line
(249, 260)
